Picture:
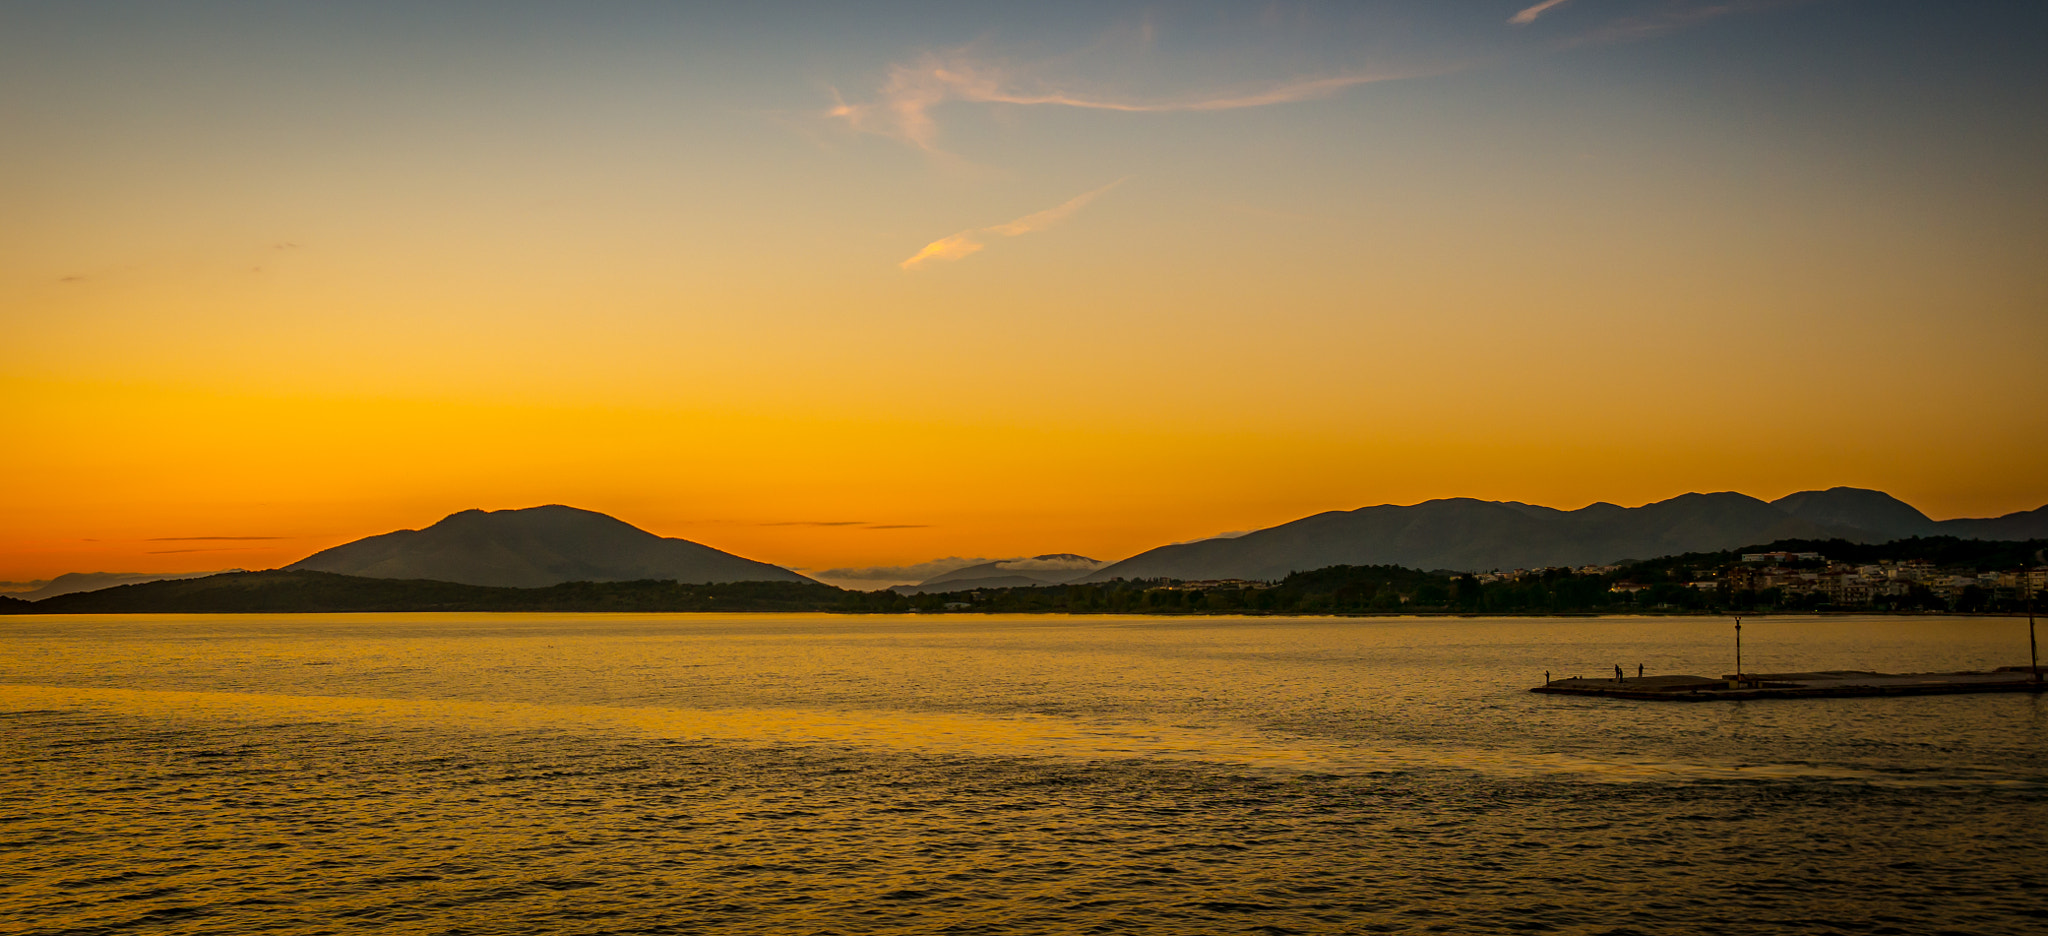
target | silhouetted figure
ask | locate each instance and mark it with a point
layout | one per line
(1617, 674)
(1639, 670)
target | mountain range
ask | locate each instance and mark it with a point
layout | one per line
(1462, 534)
(539, 547)
(534, 548)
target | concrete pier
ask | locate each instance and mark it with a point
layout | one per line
(1829, 684)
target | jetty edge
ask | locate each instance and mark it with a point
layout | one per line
(1826, 684)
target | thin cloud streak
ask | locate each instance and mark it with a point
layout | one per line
(905, 100)
(945, 248)
(1529, 15)
(1283, 94)
(955, 246)
(1040, 220)
(858, 524)
(903, 107)
(1671, 18)
(196, 539)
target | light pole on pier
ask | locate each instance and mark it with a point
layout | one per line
(1738, 649)
(2033, 649)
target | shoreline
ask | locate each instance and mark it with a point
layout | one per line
(1470, 615)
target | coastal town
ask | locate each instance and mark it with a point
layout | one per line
(1913, 575)
(1810, 578)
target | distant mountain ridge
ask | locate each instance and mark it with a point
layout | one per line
(537, 547)
(71, 582)
(1463, 534)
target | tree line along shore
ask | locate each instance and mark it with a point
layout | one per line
(1935, 574)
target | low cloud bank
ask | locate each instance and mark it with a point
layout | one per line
(870, 578)
(71, 582)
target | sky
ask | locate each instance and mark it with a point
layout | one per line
(838, 285)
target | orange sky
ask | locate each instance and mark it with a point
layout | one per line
(660, 272)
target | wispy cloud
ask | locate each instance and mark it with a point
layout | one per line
(860, 524)
(907, 103)
(1670, 16)
(191, 539)
(1529, 15)
(945, 248)
(903, 105)
(955, 246)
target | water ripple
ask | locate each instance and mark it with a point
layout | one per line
(560, 794)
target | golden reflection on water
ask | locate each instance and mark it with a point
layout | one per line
(952, 734)
(768, 774)
(1296, 694)
(1021, 735)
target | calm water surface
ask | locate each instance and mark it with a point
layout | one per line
(971, 774)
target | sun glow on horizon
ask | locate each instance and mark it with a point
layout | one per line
(650, 262)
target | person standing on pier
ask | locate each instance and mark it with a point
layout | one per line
(1617, 674)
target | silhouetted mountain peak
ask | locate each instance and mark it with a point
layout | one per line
(535, 547)
(1859, 509)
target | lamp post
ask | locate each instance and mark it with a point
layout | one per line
(1738, 649)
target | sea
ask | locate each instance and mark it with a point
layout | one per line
(709, 773)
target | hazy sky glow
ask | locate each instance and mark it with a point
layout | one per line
(275, 276)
